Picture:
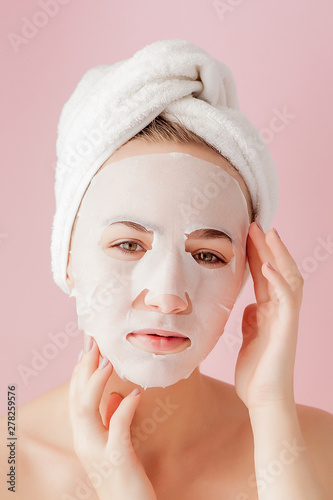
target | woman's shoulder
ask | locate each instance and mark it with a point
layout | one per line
(43, 418)
(317, 428)
(43, 446)
(309, 416)
(316, 424)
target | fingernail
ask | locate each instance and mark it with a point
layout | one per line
(80, 356)
(259, 225)
(88, 344)
(277, 234)
(104, 361)
(135, 391)
(270, 265)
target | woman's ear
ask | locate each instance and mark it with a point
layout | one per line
(69, 276)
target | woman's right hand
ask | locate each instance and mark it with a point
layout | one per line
(104, 446)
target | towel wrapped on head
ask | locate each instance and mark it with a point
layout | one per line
(112, 103)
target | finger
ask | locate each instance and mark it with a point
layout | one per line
(85, 397)
(288, 318)
(73, 386)
(122, 418)
(95, 387)
(258, 252)
(88, 364)
(281, 290)
(83, 371)
(284, 261)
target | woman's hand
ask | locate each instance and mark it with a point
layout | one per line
(265, 364)
(104, 446)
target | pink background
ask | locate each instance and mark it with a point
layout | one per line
(280, 56)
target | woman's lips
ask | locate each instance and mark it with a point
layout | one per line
(163, 333)
(160, 341)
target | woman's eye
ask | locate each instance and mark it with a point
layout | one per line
(209, 258)
(130, 246)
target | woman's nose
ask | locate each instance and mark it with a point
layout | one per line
(166, 286)
(166, 303)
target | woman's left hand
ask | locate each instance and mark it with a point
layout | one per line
(103, 443)
(265, 364)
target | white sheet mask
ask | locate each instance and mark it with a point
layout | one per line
(166, 281)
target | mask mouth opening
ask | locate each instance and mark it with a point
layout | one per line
(157, 343)
(165, 336)
(158, 332)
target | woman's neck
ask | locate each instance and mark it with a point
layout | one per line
(164, 421)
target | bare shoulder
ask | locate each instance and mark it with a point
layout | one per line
(316, 424)
(44, 462)
(317, 428)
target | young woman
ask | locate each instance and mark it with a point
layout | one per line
(155, 427)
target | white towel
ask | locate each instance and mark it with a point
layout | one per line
(112, 103)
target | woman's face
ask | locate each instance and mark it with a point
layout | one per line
(158, 258)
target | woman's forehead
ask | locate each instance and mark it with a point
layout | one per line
(166, 190)
(141, 146)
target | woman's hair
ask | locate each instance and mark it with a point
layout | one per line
(162, 129)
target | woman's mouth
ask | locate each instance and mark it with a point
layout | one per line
(158, 341)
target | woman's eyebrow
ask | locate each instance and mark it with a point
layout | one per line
(207, 234)
(133, 225)
(204, 234)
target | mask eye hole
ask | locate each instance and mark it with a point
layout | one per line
(128, 249)
(133, 250)
(207, 258)
(132, 246)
